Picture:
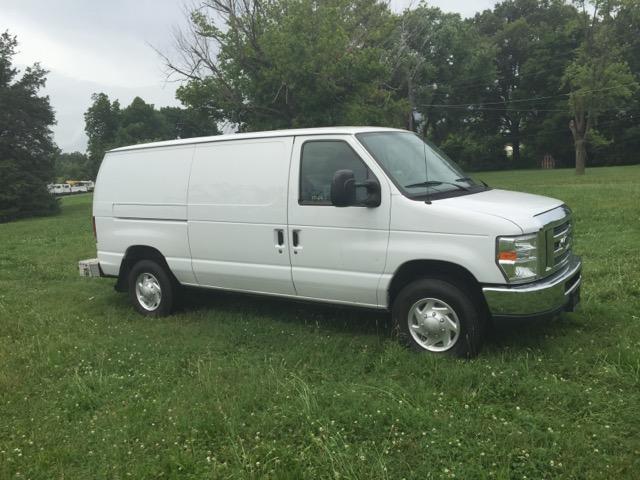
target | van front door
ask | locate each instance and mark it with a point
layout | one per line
(337, 253)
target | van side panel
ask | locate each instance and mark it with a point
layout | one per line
(237, 203)
(141, 199)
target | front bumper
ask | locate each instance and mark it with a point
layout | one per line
(560, 291)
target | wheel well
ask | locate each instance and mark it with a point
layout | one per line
(416, 269)
(133, 255)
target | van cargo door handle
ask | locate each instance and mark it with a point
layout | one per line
(279, 239)
(296, 241)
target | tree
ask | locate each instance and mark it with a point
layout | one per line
(188, 122)
(534, 41)
(442, 63)
(101, 122)
(72, 166)
(439, 53)
(109, 126)
(26, 145)
(599, 78)
(289, 63)
(139, 122)
(621, 126)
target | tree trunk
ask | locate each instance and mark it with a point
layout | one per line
(516, 151)
(581, 155)
(515, 140)
(411, 94)
(579, 128)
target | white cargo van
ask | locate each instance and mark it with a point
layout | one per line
(361, 216)
(60, 189)
(87, 184)
(77, 188)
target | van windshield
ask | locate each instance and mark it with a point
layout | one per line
(417, 167)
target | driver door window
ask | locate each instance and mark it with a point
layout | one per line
(320, 159)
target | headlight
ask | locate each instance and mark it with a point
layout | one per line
(517, 257)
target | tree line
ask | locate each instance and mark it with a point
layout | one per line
(525, 81)
(547, 78)
(107, 126)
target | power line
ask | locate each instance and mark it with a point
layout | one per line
(537, 72)
(482, 109)
(529, 135)
(532, 99)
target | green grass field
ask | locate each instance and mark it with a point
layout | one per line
(244, 387)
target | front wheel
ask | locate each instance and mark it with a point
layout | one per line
(150, 289)
(436, 316)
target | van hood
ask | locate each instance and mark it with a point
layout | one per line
(519, 208)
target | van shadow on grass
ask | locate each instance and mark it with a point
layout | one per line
(512, 334)
(267, 308)
(523, 333)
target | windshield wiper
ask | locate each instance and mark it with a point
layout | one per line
(469, 179)
(435, 183)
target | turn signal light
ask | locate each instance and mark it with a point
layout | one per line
(508, 255)
(517, 257)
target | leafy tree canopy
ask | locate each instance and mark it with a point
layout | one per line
(72, 166)
(290, 63)
(26, 146)
(599, 79)
(109, 126)
(511, 76)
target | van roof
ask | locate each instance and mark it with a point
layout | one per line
(267, 134)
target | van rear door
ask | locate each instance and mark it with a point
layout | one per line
(237, 215)
(337, 253)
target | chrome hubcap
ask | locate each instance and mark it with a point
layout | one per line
(148, 291)
(433, 324)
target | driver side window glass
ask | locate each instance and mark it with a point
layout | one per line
(319, 161)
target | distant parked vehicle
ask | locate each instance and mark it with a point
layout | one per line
(77, 188)
(59, 188)
(87, 183)
(80, 186)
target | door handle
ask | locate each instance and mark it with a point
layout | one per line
(279, 239)
(295, 240)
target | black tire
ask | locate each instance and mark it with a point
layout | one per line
(162, 278)
(465, 341)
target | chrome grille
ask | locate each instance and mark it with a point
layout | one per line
(562, 240)
(556, 240)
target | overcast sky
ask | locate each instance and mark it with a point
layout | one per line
(105, 46)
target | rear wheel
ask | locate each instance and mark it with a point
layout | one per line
(151, 289)
(436, 316)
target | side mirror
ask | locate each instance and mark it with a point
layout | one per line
(343, 190)
(374, 197)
